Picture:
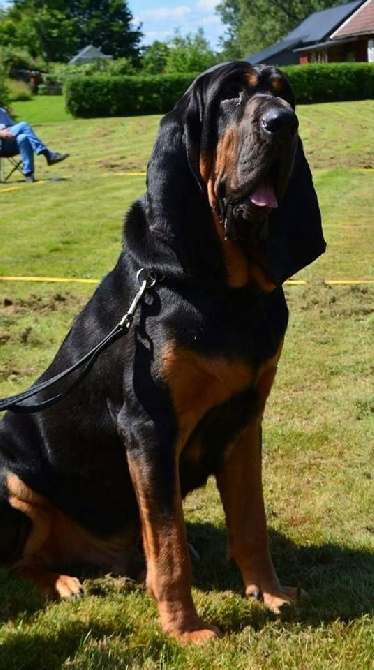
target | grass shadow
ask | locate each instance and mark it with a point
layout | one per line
(49, 649)
(18, 598)
(339, 581)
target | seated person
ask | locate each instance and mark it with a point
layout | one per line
(19, 138)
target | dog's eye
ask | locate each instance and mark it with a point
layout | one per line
(232, 93)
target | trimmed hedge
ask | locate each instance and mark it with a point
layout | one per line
(103, 96)
(89, 97)
(331, 82)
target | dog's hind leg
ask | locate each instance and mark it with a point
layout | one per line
(33, 564)
(52, 584)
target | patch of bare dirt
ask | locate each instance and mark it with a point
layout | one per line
(122, 165)
(337, 301)
(35, 303)
(320, 160)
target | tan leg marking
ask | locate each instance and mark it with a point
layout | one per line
(32, 564)
(56, 540)
(168, 562)
(196, 384)
(240, 486)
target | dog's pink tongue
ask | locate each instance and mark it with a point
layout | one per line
(264, 196)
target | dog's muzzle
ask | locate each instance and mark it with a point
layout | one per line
(281, 123)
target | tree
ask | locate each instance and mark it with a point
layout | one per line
(155, 57)
(255, 24)
(189, 54)
(106, 24)
(56, 30)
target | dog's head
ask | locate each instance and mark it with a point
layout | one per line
(243, 144)
(232, 141)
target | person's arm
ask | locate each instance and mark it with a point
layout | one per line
(5, 134)
(5, 119)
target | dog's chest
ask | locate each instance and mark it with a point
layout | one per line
(214, 400)
(217, 371)
(198, 384)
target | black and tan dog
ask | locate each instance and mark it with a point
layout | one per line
(230, 212)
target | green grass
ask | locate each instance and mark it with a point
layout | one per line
(318, 454)
(41, 109)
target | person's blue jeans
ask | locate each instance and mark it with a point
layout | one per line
(26, 143)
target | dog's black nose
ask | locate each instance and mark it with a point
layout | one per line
(280, 121)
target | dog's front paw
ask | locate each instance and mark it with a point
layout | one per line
(187, 627)
(276, 598)
(201, 635)
(67, 587)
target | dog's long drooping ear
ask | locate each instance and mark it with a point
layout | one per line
(198, 125)
(295, 230)
(201, 131)
(177, 209)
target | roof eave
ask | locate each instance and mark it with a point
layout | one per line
(327, 45)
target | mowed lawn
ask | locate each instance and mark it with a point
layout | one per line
(318, 453)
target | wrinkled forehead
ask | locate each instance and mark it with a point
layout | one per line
(250, 79)
(268, 79)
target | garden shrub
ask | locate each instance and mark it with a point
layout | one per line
(124, 96)
(96, 96)
(4, 91)
(331, 82)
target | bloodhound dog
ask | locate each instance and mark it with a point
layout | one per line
(229, 213)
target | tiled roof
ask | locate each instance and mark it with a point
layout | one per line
(273, 50)
(320, 24)
(360, 23)
(315, 28)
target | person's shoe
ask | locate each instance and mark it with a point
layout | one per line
(53, 157)
(29, 177)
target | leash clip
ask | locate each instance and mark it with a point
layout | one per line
(146, 279)
(147, 276)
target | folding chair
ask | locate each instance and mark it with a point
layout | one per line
(9, 163)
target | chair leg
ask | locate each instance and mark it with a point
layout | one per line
(16, 165)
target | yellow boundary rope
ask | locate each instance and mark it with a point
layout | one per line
(81, 280)
(60, 280)
(133, 174)
(290, 282)
(8, 189)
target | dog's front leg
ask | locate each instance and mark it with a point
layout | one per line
(165, 543)
(240, 486)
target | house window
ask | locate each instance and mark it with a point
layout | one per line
(370, 51)
(319, 56)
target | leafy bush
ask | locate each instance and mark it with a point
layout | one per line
(124, 96)
(19, 90)
(331, 82)
(4, 91)
(132, 95)
(104, 67)
(12, 58)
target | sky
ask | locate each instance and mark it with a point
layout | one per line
(161, 17)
